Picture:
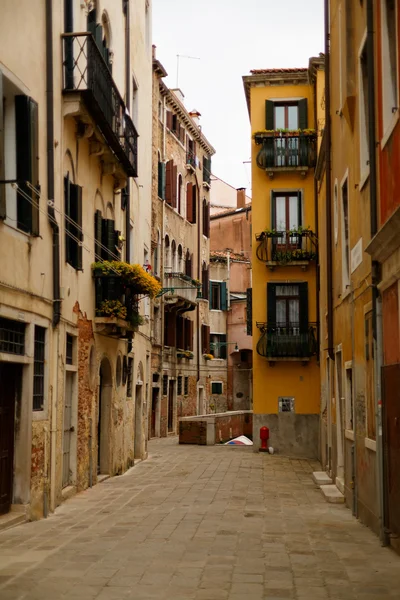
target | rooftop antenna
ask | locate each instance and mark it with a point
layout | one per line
(178, 56)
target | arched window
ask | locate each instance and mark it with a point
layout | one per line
(167, 263)
(205, 280)
(179, 200)
(173, 256)
(157, 254)
(180, 259)
(188, 263)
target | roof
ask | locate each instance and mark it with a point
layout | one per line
(223, 256)
(294, 70)
(231, 211)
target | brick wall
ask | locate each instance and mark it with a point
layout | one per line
(226, 426)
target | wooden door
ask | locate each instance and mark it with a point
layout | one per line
(10, 378)
(391, 395)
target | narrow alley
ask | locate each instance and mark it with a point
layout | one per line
(202, 523)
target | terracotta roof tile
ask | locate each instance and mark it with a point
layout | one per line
(294, 70)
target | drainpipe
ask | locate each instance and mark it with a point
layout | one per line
(317, 227)
(328, 183)
(50, 163)
(376, 303)
(128, 106)
(199, 233)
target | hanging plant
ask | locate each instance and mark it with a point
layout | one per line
(133, 276)
(112, 308)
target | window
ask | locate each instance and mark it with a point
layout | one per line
(129, 378)
(12, 337)
(73, 223)
(38, 368)
(19, 158)
(179, 199)
(286, 404)
(216, 387)
(364, 124)
(169, 328)
(191, 153)
(173, 256)
(349, 397)
(191, 200)
(135, 102)
(161, 178)
(171, 184)
(286, 115)
(186, 388)
(345, 234)
(167, 255)
(218, 345)
(286, 211)
(206, 218)
(206, 170)
(205, 338)
(189, 331)
(165, 385)
(106, 245)
(205, 281)
(69, 357)
(287, 308)
(188, 263)
(218, 295)
(389, 61)
(180, 385)
(179, 264)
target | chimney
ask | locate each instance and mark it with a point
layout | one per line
(179, 94)
(241, 197)
(195, 115)
(154, 51)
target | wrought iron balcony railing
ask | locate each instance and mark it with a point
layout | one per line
(286, 151)
(287, 247)
(86, 71)
(281, 341)
(117, 305)
(191, 159)
(179, 285)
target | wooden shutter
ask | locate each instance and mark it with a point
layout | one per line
(180, 332)
(269, 115)
(67, 213)
(208, 219)
(174, 185)
(98, 221)
(108, 239)
(303, 116)
(210, 296)
(303, 294)
(2, 155)
(249, 310)
(189, 202)
(271, 303)
(188, 264)
(168, 182)
(26, 120)
(189, 325)
(205, 339)
(169, 119)
(224, 296)
(194, 204)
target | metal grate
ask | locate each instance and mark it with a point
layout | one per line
(70, 350)
(286, 404)
(12, 337)
(179, 385)
(186, 388)
(38, 368)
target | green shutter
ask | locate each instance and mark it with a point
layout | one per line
(67, 213)
(2, 185)
(98, 36)
(269, 115)
(303, 116)
(224, 299)
(303, 294)
(249, 310)
(271, 303)
(98, 221)
(111, 239)
(79, 263)
(91, 21)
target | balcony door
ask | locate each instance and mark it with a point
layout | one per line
(286, 116)
(288, 309)
(286, 216)
(287, 319)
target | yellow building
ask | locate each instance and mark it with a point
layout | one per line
(284, 117)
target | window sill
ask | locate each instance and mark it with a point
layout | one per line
(364, 179)
(349, 434)
(216, 310)
(389, 130)
(71, 368)
(370, 444)
(18, 232)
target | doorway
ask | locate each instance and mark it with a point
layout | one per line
(391, 420)
(68, 428)
(155, 413)
(10, 378)
(171, 396)
(138, 441)
(103, 422)
(339, 416)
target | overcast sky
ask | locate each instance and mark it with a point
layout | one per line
(231, 37)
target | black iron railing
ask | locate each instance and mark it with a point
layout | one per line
(282, 340)
(287, 247)
(191, 158)
(86, 71)
(115, 299)
(286, 151)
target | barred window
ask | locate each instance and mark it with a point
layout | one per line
(70, 350)
(12, 337)
(165, 385)
(179, 385)
(129, 378)
(186, 389)
(38, 368)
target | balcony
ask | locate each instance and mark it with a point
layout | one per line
(191, 161)
(180, 290)
(295, 248)
(85, 73)
(292, 342)
(282, 151)
(117, 306)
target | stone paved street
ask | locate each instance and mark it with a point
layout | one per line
(202, 523)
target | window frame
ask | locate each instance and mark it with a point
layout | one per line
(363, 99)
(220, 383)
(39, 361)
(390, 115)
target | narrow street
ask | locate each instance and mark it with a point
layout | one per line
(198, 523)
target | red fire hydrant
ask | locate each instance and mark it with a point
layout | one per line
(264, 437)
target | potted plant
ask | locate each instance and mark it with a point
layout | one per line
(207, 356)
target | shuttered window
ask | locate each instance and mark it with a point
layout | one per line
(188, 264)
(218, 345)
(249, 310)
(189, 335)
(205, 278)
(186, 387)
(168, 182)
(98, 226)
(170, 329)
(161, 180)
(180, 332)
(291, 115)
(189, 202)
(206, 218)
(218, 295)
(39, 368)
(205, 339)
(73, 223)
(287, 306)
(27, 163)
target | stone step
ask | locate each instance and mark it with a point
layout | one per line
(12, 519)
(321, 478)
(340, 484)
(332, 494)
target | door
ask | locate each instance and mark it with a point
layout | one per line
(10, 377)
(339, 416)
(154, 403)
(391, 395)
(171, 406)
(138, 441)
(287, 153)
(67, 429)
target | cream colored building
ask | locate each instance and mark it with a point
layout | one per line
(75, 378)
(180, 258)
